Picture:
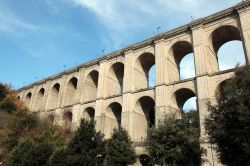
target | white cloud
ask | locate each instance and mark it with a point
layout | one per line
(14, 25)
(123, 19)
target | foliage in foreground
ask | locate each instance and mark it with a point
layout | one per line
(30, 153)
(17, 124)
(119, 149)
(173, 143)
(228, 124)
(87, 148)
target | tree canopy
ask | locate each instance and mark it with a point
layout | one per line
(228, 124)
(28, 152)
(18, 124)
(173, 143)
(86, 148)
(119, 149)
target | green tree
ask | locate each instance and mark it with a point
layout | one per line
(87, 147)
(30, 153)
(228, 124)
(119, 149)
(173, 143)
(61, 157)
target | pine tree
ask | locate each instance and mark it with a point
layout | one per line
(228, 124)
(119, 149)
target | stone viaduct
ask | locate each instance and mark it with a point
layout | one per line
(114, 89)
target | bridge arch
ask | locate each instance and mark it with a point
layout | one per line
(180, 97)
(221, 88)
(142, 66)
(27, 99)
(178, 52)
(53, 98)
(115, 79)
(89, 114)
(222, 36)
(91, 85)
(70, 94)
(51, 119)
(113, 114)
(145, 117)
(67, 118)
(39, 99)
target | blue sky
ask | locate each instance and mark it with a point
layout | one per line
(39, 37)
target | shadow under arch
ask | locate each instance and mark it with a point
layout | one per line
(67, 118)
(71, 91)
(39, 99)
(53, 98)
(143, 64)
(27, 99)
(145, 117)
(115, 79)
(113, 116)
(89, 114)
(91, 85)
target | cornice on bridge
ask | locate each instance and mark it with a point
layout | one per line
(232, 11)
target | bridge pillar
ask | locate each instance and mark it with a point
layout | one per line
(99, 111)
(202, 69)
(76, 119)
(127, 108)
(48, 88)
(244, 15)
(46, 95)
(161, 78)
(32, 102)
(63, 89)
(80, 86)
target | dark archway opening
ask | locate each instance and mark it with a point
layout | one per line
(27, 99)
(89, 114)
